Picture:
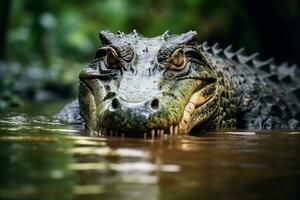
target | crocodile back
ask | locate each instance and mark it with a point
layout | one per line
(266, 95)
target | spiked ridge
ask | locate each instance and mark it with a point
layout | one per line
(274, 89)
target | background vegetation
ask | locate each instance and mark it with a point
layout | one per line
(44, 44)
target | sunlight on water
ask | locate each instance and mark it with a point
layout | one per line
(125, 167)
(50, 160)
(240, 133)
(105, 151)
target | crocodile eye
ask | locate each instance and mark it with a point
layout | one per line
(112, 58)
(177, 60)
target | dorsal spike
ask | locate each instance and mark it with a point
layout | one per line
(201, 45)
(216, 45)
(216, 49)
(135, 33)
(284, 65)
(204, 46)
(285, 70)
(166, 35)
(108, 37)
(241, 51)
(243, 58)
(228, 52)
(296, 72)
(273, 67)
(263, 65)
(120, 33)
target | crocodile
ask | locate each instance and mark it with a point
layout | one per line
(171, 84)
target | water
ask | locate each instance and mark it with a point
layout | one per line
(43, 159)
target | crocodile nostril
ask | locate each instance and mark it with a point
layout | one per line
(115, 103)
(155, 104)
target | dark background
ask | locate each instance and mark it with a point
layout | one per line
(44, 44)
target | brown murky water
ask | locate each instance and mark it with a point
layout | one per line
(41, 159)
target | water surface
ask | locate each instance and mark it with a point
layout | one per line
(44, 159)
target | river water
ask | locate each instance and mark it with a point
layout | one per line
(44, 159)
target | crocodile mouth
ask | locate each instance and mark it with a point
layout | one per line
(197, 102)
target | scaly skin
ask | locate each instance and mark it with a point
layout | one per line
(169, 85)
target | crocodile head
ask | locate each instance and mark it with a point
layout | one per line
(138, 85)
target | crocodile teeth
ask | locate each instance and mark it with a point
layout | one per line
(162, 133)
(180, 126)
(186, 116)
(153, 133)
(184, 127)
(158, 132)
(176, 130)
(171, 130)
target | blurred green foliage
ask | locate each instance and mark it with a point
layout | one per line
(59, 36)
(8, 97)
(42, 30)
